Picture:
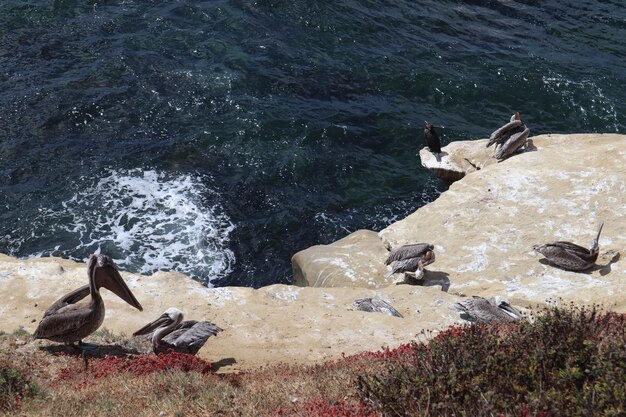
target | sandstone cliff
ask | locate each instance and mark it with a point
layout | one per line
(483, 229)
(278, 323)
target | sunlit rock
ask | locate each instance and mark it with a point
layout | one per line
(354, 261)
(457, 159)
(485, 225)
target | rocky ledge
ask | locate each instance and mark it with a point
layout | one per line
(277, 323)
(483, 229)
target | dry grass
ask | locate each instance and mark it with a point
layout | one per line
(62, 386)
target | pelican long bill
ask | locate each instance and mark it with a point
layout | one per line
(109, 277)
(163, 320)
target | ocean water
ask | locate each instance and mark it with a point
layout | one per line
(218, 138)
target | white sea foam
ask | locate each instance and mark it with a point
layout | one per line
(152, 221)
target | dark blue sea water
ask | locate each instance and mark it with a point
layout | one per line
(218, 138)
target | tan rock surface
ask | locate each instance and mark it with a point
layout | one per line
(354, 261)
(278, 323)
(458, 159)
(485, 225)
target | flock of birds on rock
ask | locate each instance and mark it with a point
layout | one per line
(69, 321)
(411, 260)
(509, 139)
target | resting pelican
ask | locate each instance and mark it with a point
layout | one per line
(174, 333)
(69, 322)
(482, 310)
(569, 255)
(509, 137)
(375, 305)
(410, 259)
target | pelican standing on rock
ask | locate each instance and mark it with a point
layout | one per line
(375, 305)
(509, 138)
(570, 256)
(481, 310)
(431, 137)
(411, 259)
(171, 332)
(69, 322)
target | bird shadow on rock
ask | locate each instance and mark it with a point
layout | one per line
(439, 155)
(434, 278)
(215, 366)
(610, 257)
(99, 351)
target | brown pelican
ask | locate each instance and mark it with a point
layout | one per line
(375, 305)
(482, 310)
(174, 333)
(570, 256)
(509, 138)
(410, 259)
(69, 322)
(432, 139)
(501, 134)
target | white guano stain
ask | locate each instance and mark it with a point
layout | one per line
(218, 296)
(290, 295)
(477, 259)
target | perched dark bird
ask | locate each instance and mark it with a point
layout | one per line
(375, 305)
(69, 321)
(411, 259)
(431, 137)
(570, 256)
(171, 332)
(509, 138)
(481, 310)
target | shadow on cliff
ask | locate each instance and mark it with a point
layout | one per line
(434, 278)
(99, 351)
(609, 257)
(221, 363)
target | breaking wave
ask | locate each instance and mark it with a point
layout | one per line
(150, 221)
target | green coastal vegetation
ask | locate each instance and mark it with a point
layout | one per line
(563, 361)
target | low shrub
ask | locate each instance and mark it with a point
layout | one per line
(137, 365)
(14, 387)
(569, 361)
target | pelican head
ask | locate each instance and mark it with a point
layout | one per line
(105, 274)
(505, 306)
(428, 258)
(169, 319)
(166, 322)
